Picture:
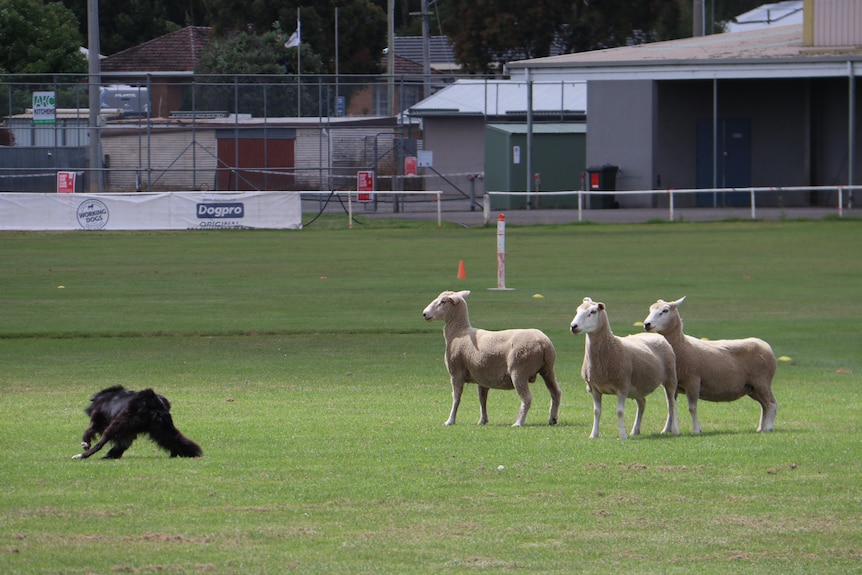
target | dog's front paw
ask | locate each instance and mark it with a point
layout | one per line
(85, 446)
(78, 456)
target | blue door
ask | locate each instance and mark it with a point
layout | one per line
(733, 159)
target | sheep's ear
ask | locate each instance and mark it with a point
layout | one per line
(601, 305)
(588, 300)
(678, 302)
(464, 293)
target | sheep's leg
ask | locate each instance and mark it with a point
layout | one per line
(483, 405)
(556, 393)
(672, 423)
(522, 386)
(636, 427)
(692, 409)
(692, 393)
(457, 388)
(597, 412)
(768, 409)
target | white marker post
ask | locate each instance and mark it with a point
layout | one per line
(501, 254)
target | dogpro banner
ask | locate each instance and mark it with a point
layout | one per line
(151, 211)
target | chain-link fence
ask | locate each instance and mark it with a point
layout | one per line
(200, 132)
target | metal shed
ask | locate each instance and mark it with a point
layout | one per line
(559, 156)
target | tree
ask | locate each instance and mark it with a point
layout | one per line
(613, 23)
(268, 71)
(361, 31)
(488, 33)
(39, 38)
(132, 22)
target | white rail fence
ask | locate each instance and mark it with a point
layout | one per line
(843, 192)
(435, 196)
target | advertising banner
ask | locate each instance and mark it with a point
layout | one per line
(151, 211)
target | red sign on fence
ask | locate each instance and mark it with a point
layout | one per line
(65, 182)
(365, 186)
(410, 166)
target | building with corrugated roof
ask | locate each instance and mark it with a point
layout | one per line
(455, 119)
(770, 107)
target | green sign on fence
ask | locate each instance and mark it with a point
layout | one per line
(44, 108)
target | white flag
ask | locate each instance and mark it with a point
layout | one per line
(294, 40)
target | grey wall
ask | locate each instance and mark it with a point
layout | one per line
(620, 132)
(799, 132)
(829, 136)
(459, 147)
(779, 113)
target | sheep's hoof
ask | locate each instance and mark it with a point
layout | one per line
(552, 422)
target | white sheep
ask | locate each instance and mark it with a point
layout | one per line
(720, 370)
(507, 359)
(628, 367)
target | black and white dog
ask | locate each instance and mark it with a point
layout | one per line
(120, 415)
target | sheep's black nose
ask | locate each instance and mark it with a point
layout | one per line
(575, 328)
(647, 326)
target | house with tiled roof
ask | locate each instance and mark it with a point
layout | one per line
(441, 54)
(162, 64)
(177, 51)
(407, 89)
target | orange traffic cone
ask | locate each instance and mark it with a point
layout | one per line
(462, 275)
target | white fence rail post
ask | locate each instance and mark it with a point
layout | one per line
(840, 202)
(670, 204)
(753, 208)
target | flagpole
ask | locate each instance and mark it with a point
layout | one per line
(336, 61)
(298, 66)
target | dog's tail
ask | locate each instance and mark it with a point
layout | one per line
(171, 439)
(185, 447)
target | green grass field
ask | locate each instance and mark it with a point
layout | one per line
(300, 362)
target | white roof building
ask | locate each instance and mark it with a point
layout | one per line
(768, 15)
(504, 97)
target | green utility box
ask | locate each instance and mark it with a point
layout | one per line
(559, 156)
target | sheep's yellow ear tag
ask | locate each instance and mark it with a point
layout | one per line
(638, 324)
